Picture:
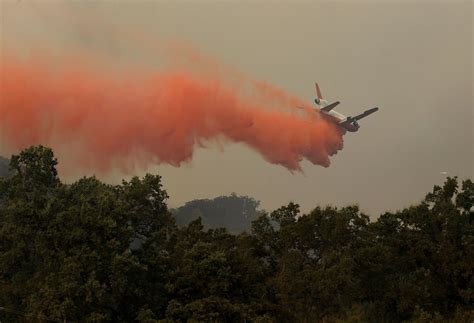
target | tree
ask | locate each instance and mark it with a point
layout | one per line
(315, 275)
(4, 167)
(36, 167)
(421, 258)
(215, 278)
(26, 200)
(90, 251)
(66, 250)
(233, 212)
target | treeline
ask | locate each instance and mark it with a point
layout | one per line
(94, 252)
(235, 213)
(4, 171)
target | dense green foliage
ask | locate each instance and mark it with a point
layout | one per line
(89, 251)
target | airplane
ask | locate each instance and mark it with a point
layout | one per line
(348, 123)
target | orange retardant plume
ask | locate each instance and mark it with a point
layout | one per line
(101, 119)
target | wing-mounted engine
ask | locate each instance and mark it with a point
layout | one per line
(349, 121)
(350, 124)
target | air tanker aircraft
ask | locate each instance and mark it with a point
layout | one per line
(348, 123)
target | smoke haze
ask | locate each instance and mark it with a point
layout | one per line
(412, 59)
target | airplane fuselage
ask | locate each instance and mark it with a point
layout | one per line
(338, 118)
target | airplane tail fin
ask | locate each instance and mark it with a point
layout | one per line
(318, 91)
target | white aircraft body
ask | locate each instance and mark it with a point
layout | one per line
(348, 123)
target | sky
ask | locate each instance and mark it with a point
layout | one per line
(412, 59)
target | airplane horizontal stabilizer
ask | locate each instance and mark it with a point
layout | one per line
(329, 107)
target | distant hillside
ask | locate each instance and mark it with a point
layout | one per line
(4, 166)
(233, 212)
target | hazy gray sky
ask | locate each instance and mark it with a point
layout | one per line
(412, 59)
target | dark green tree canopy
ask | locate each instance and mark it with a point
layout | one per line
(94, 252)
(36, 166)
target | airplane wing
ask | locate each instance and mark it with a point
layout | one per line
(358, 117)
(329, 107)
(365, 114)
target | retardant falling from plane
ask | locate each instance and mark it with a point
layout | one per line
(110, 119)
